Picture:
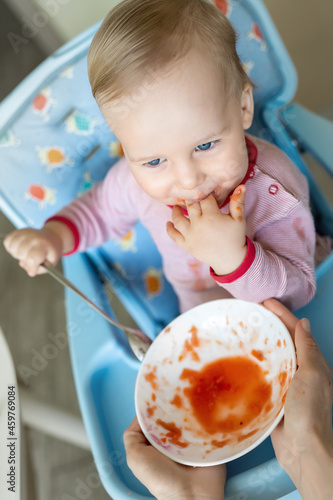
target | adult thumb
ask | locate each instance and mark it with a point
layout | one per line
(307, 350)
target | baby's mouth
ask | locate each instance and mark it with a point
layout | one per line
(182, 202)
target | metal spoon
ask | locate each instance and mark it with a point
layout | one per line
(138, 341)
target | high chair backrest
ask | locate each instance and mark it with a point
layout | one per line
(54, 143)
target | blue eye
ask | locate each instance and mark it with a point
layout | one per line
(154, 163)
(205, 146)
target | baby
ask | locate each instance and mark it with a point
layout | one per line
(228, 212)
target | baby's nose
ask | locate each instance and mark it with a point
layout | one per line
(189, 177)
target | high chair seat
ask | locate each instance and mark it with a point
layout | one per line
(54, 145)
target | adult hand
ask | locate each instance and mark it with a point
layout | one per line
(212, 237)
(166, 479)
(303, 441)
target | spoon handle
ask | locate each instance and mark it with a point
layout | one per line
(138, 341)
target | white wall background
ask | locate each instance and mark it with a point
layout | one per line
(70, 17)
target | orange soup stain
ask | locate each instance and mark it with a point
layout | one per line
(245, 436)
(258, 354)
(174, 433)
(177, 401)
(190, 345)
(236, 195)
(227, 394)
(151, 378)
(151, 410)
(278, 343)
(153, 397)
(194, 338)
(282, 378)
(219, 444)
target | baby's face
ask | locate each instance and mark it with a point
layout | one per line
(182, 139)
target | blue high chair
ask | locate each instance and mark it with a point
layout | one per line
(54, 145)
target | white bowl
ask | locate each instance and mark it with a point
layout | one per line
(213, 383)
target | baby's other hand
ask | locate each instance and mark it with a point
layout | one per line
(32, 247)
(212, 237)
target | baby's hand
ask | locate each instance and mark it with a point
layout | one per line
(212, 237)
(32, 247)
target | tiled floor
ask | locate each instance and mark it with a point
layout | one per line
(30, 309)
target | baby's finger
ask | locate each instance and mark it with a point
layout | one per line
(237, 203)
(209, 205)
(180, 222)
(34, 258)
(12, 243)
(24, 265)
(7, 241)
(175, 235)
(193, 210)
(41, 270)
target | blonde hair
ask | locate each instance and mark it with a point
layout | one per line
(139, 37)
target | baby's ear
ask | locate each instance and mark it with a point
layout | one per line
(247, 106)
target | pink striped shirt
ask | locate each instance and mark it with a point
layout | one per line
(279, 227)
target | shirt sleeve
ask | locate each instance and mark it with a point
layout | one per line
(279, 262)
(106, 211)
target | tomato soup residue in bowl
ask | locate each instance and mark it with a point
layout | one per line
(212, 385)
(228, 394)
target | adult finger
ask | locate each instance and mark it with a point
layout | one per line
(287, 317)
(277, 434)
(237, 203)
(133, 436)
(308, 353)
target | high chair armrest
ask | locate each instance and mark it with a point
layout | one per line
(313, 132)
